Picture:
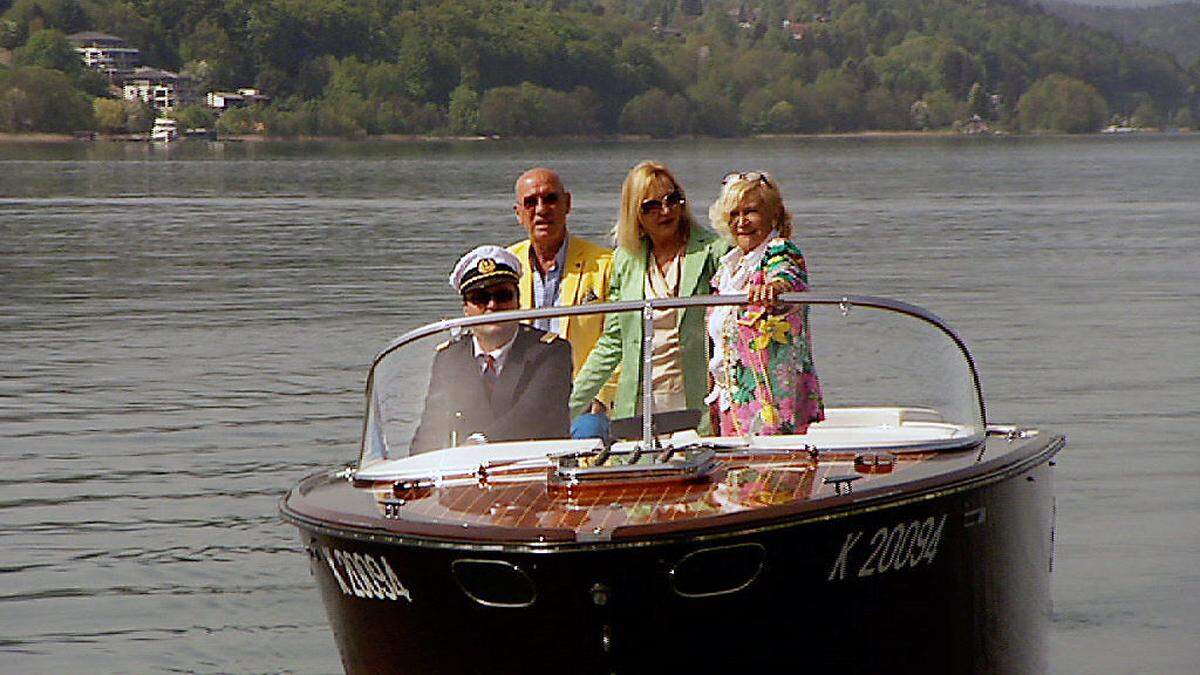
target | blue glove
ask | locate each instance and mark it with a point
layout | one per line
(590, 425)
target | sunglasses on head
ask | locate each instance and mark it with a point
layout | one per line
(751, 176)
(672, 200)
(480, 297)
(531, 201)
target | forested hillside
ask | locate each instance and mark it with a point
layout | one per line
(1174, 28)
(658, 67)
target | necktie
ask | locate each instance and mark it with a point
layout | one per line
(489, 374)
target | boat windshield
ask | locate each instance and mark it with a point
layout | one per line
(831, 371)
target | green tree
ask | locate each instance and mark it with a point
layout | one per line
(1146, 116)
(1061, 103)
(656, 113)
(921, 117)
(225, 61)
(27, 17)
(755, 109)
(200, 74)
(530, 110)
(238, 121)
(943, 109)
(838, 104)
(911, 65)
(417, 64)
(194, 117)
(956, 70)
(39, 99)
(109, 114)
(31, 16)
(713, 111)
(50, 49)
(16, 110)
(10, 34)
(350, 117)
(92, 83)
(464, 110)
(396, 64)
(156, 35)
(885, 110)
(139, 117)
(978, 102)
(781, 118)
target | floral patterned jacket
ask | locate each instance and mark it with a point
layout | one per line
(762, 367)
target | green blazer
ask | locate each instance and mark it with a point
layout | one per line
(621, 342)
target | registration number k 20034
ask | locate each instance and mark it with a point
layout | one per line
(890, 548)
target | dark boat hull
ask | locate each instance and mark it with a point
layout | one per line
(948, 580)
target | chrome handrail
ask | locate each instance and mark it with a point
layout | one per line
(844, 302)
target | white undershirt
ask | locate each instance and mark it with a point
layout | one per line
(498, 355)
(732, 277)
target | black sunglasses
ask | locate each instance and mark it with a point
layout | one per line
(480, 297)
(531, 201)
(672, 200)
(751, 176)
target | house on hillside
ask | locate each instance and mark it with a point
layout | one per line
(666, 32)
(221, 101)
(744, 16)
(108, 54)
(162, 89)
(796, 29)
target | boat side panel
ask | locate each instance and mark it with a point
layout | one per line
(400, 610)
(950, 584)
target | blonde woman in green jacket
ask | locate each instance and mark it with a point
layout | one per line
(661, 252)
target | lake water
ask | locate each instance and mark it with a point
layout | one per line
(184, 332)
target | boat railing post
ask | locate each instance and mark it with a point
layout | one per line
(647, 375)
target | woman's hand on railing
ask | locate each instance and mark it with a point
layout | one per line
(766, 294)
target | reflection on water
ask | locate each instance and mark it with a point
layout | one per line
(184, 332)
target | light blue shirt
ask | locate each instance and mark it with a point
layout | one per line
(546, 289)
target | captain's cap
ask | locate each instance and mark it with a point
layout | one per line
(484, 264)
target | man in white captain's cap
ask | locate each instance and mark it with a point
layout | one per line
(501, 381)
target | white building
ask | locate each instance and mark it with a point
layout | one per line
(224, 100)
(162, 89)
(108, 54)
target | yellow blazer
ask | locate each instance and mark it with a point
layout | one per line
(587, 272)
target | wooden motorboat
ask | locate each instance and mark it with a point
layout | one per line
(901, 534)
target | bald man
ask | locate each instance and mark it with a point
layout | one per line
(560, 269)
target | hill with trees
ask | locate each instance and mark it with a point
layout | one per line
(1174, 27)
(548, 67)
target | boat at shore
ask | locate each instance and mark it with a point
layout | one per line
(903, 533)
(165, 130)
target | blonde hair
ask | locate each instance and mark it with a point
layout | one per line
(647, 180)
(736, 191)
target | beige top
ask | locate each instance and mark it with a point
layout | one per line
(666, 365)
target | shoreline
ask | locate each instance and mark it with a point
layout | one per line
(60, 138)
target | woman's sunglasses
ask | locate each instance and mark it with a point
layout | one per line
(672, 200)
(480, 297)
(751, 176)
